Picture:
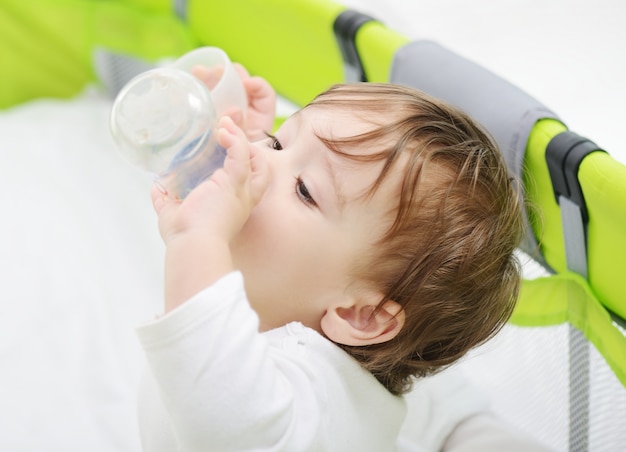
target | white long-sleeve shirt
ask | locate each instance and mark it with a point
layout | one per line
(216, 384)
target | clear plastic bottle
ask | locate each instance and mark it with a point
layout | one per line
(164, 119)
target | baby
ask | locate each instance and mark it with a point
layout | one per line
(368, 242)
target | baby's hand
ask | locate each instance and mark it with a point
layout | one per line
(221, 205)
(197, 231)
(261, 100)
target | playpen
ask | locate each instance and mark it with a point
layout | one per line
(82, 259)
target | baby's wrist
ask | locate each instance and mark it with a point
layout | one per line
(195, 240)
(193, 263)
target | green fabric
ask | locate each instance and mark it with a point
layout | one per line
(567, 297)
(46, 46)
(160, 6)
(43, 49)
(150, 35)
(543, 211)
(291, 43)
(603, 181)
(604, 185)
(377, 45)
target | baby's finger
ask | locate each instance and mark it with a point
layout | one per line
(209, 76)
(243, 73)
(237, 147)
(236, 114)
(259, 89)
(226, 123)
(260, 173)
(262, 100)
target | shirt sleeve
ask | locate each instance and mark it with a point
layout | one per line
(219, 380)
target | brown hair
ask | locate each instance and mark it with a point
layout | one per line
(448, 257)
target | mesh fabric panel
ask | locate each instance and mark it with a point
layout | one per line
(524, 371)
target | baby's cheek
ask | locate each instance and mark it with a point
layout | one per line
(256, 241)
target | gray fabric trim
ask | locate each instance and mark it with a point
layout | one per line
(351, 73)
(507, 112)
(579, 388)
(115, 70)
(180, 8)
(574, 236)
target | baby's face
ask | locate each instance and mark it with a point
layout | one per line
(299, 249)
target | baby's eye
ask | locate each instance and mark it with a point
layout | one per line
(274, 143)
(303, 192)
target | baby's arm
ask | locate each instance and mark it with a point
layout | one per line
(215, 383)
(197, 231)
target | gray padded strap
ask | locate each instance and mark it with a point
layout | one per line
(507, 112)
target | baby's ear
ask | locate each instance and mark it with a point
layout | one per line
(359, 323)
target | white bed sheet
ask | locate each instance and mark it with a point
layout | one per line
(81, 265)
(80, 256)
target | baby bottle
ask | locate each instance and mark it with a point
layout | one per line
(164, 120)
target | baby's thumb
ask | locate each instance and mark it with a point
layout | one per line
(236, 114)
(209, 76)
(260, 173)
